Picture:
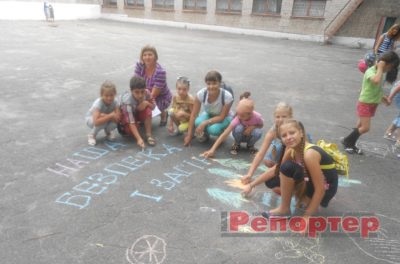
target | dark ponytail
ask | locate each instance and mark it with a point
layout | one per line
(244, 95)
(391, 57)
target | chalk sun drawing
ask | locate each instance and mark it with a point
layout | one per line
(148, 249)
(229, 198)
(300, 248)
(386, 246)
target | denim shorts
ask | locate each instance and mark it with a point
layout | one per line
(274, 151)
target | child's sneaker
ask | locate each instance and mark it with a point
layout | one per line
(358, 151)
(353, 150)
(235, 149)
(173, 133)
(389, 136)
(252, 149)
(91, 140)
(203, 137)
(110, 136)
(350, 149)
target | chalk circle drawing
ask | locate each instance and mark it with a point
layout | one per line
(148, 249)
(300, 248)
(386, 245)
(375, 149)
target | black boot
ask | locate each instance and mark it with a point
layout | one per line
(349, 142)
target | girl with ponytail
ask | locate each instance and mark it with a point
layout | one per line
(299, 172)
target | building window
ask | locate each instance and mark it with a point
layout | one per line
(197, 5)
(267, 6)
(134, 3)
(309, 8)
(110, 3)
(163, 4)
(229, 6)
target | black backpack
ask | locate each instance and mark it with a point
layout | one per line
(224, 88)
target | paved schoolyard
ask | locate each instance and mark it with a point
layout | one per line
(64, 202)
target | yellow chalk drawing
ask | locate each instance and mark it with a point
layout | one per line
(236, 183)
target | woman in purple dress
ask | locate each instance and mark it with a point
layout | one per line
(156, 80)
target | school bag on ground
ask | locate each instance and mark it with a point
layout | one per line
(340, 160)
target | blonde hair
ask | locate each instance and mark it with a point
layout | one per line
(148, 48)
(300, 186)
(391, 31)
(184, 81)
(284, 106)
(245, 104)
(108, 86)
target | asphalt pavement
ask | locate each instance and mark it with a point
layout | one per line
(63, 201)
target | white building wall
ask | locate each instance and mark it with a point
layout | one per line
(19, 10)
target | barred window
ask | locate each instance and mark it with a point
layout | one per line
(229, 6)
(198, 5)
(163, 4)
(134, 3)
(267, 6)
(110, 3)
(309, 8)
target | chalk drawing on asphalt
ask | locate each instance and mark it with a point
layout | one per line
(300, 248)
(148, 249)
(235, 183)
(345, 182)
(386, 246)
(374, 149)
(237, 164)
(233, 199)
(224, 173)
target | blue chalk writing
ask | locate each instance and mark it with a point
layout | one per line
(125, 166)
(137, 193)
(171, 149)
(89, 187)
(113, 145)
(174, 176)
(78, 163)
(80, 201)
(178, 168)
(62, 170)
(92, 153)
(205, 161)
(149, 154)
(103, 178)
(167, 185)
(194, 165)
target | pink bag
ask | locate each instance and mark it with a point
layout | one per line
(362, 65)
